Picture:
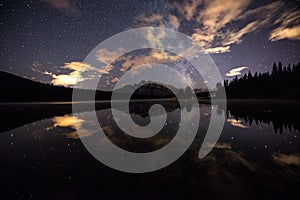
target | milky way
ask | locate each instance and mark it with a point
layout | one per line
(41, 36)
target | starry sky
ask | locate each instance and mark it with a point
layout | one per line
(46, 40)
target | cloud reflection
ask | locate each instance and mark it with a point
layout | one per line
(74, 123)
(236, 123)
(287, 159)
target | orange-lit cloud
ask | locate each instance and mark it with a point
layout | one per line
(107, 57)
(155, 56)
(74, 77)
(134, 62)
(174, 21)
(236, 37)
(217, 14)
(236, 71)
(212, 22)
(212, 17)
(67, 6)
(280, 33)
(289, 27)
(154, 38)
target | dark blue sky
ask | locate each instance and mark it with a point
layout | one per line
(38, 36)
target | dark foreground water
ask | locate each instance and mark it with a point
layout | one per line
(257, 155)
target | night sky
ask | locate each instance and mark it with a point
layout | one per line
(38, 38)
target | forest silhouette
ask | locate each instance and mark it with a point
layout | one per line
(282, 83)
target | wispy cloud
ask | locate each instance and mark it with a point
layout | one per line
(215, 50)
(155, 56)
(212, 17)
(188, 8)
(67, 6)
(289, 27)
(286, 33)
(216, 25)
(216, 14)
(236, 71)
(235, 37)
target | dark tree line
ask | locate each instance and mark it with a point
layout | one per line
(280, 116)
(282, 82)
(18, 89)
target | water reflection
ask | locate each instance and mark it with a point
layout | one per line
(282, 115)
(236, 123)
(45, 159)
(71, 122)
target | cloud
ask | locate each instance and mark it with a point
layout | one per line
(262, 13)
(174, 21)
(74, 77)
(211, 18)
(236, 37)
(215, 50)
(207, 18)
(130, 61)
(67, 6)
(218, 25)
(216, 14)
(236, 123)
(157, 20)
(236, 71)
(289, 27)
(203, 37)
(155, 56)
(285, 159)
(289, 18)
(106, 56)
(154, 37)
(150, 18)
(285, 33)
(114, 80)
(188, 8)
(164, 20)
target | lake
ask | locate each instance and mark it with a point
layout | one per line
(256, 156)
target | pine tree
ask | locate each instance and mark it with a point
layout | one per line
(289, 69)
(274, 69)
(255, 75)
(249, 75)
(280, 67)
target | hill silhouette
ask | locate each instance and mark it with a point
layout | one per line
(17, 89)
(281, 83)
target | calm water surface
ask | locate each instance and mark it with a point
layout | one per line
(257, 155)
